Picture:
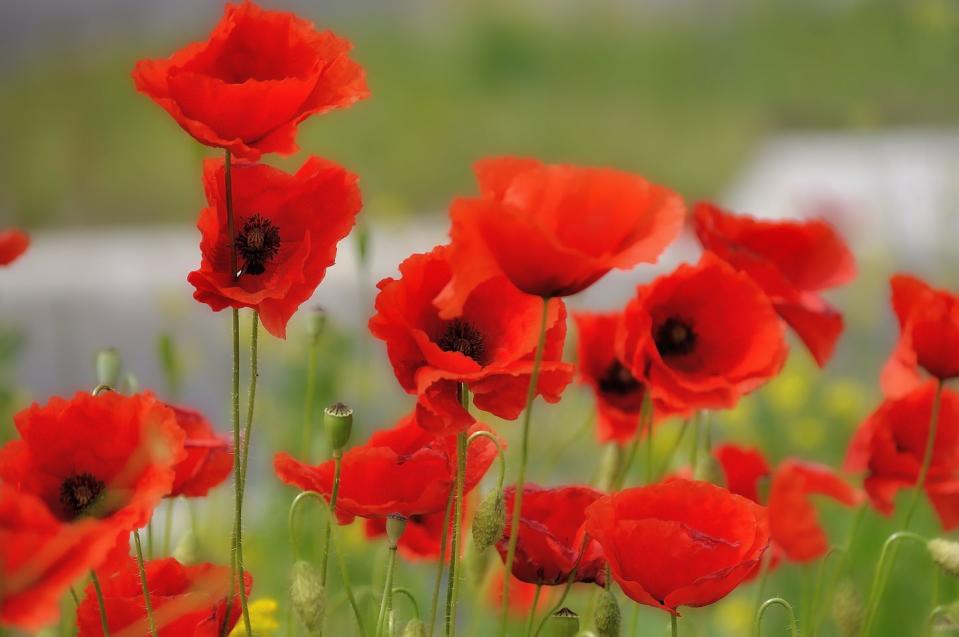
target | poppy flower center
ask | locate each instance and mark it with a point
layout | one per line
(462, 337)
(79, 493)
(257, 243)
(675, 337)
(618, 380)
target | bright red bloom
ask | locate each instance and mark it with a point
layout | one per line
(928, 338)
(490, 346)
(258, 75)
(13, 243)
(422, 537)
(286, 231)
(404, 471)
(209, 457)
(187, 601)
(702, 336)
(890, 446)
(554, 230)
(551, 535)
(619, 395)
(679, 543)
(521, 595)
(792, 261)
(793, 522)
(87, 471)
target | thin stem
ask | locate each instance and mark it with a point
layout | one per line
(645, 425)
(776, 601)
(764, 565)
(409, 595)
(334, 493)
(387, 590)
(566, 589)
(143, 583)
(524, 456)
(167, 526)
(310, 399)
(499, 452)
(649, 439)
(245, 441)
(453, 586)
(926, 458)
(694, 451)
(672, 450)
(812, 621)
(444, 537)
(532, 610)
(843, 556)
(230, 221)
(100, 604)
(673, 625)
(150, 539)
(878, 580)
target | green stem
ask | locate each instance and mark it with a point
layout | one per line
(167, 526)
(334, 494)
(878, 580)
(694, 452)
(387, 590)
(150, 539)
(569, 585)
(764, 565)
(453, 586)
(645, 425)
(673, 625)
(143, 583)
(245, 441)
(776, 601)
(521, 477)
(812, 620)
(664, 467)
(310, 399)
(444, 537)
(499, 452)
(100, 604)
(843, 557)
(409, 595)
(926, 458)
(532, 611)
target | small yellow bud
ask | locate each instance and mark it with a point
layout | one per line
(489, 521)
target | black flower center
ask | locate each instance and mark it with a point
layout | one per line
(462, 337)
(675, 337)
(79, 493)
(618, 380)
(257, 244)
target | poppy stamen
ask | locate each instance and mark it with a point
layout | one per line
(257, 243)
(462, 337)
(618, 380)
(675, 337)
(79, 493)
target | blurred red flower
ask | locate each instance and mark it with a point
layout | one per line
(702, 336)
(928, 335)
(793, 523)
(792, 261)
(889, 446)
(209, 457)
(698, 541)
(619, 394)
(188, 601)
(521, 595)
(86, 471)
(258, 75)
(287, 228)
(551, 535)
(554, 230)
(13, 243)
(404, 471)
(422, 538)
(489, 347)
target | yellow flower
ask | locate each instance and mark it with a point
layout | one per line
(262, 619)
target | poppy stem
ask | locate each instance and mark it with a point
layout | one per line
(387, 592)
(694, 451)
(844, 556)
(499, 453)
(409, 595)
(674, 626)
(774, 601)
(664, 467)
(100, 603)
(143, 583)
(167, 527)
(524, 456)
(444, 537)
(311, 358)
(453, 586)
(888, 554)
(532, 610)
(334, 494)
(645, 425)
(812, 619)
(764, 563)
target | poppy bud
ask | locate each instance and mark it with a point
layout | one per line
(474, 562)
(308, 595)
(108, 367)
(609, 466)
(338, 424)
(395, 525)
(847, 610)
(489, 521)
(415, 628)
(187, 549)
(608, 616)
(562, 623)
(315, 322)
(945, 553)
(945, 619)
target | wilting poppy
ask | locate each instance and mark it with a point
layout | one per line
(619, 394)
(680, 542)
(209, 457)
(554, 230)
(792, 261)
(422, 537)
(890, 445)
(701, 336)
(551, 535)
(187, 601)
(521, 595)
(928, 335)
(489, 347)
(99, 465)
(13, 243)
(258, 75)
(793, 523)
(403, 471)
(286, 231)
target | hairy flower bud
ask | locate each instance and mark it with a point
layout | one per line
(489, 521)
(307, 595)
(415, 628)
(338, 424)
(108, 367)
(562, 623)
(608, 616)
(847, 610)
(945, 553)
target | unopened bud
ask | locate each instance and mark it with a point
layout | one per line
(415, 628)
(489, 521)
(395, 525)
(187, 550)
(315, 322)
(945, 553)
(847, 610)
(608, 616)
(475, 562)
(562, 623)
(108, 367)
(338, 424)
(945, 619)
(308, 595)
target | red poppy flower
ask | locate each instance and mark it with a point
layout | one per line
(792, 261)
(404, 471)
(554, 230)
(929, 335)
(287, 228)
(422, 537)
(702, 336)
(187, 601)
(489, 347)
(619, 394)
(209, 457)
(793, 522)
(521, 595)
(679, 543)
(890, 446)
(551, 535)
(87, 471)
(258, 75)
(13, 243)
